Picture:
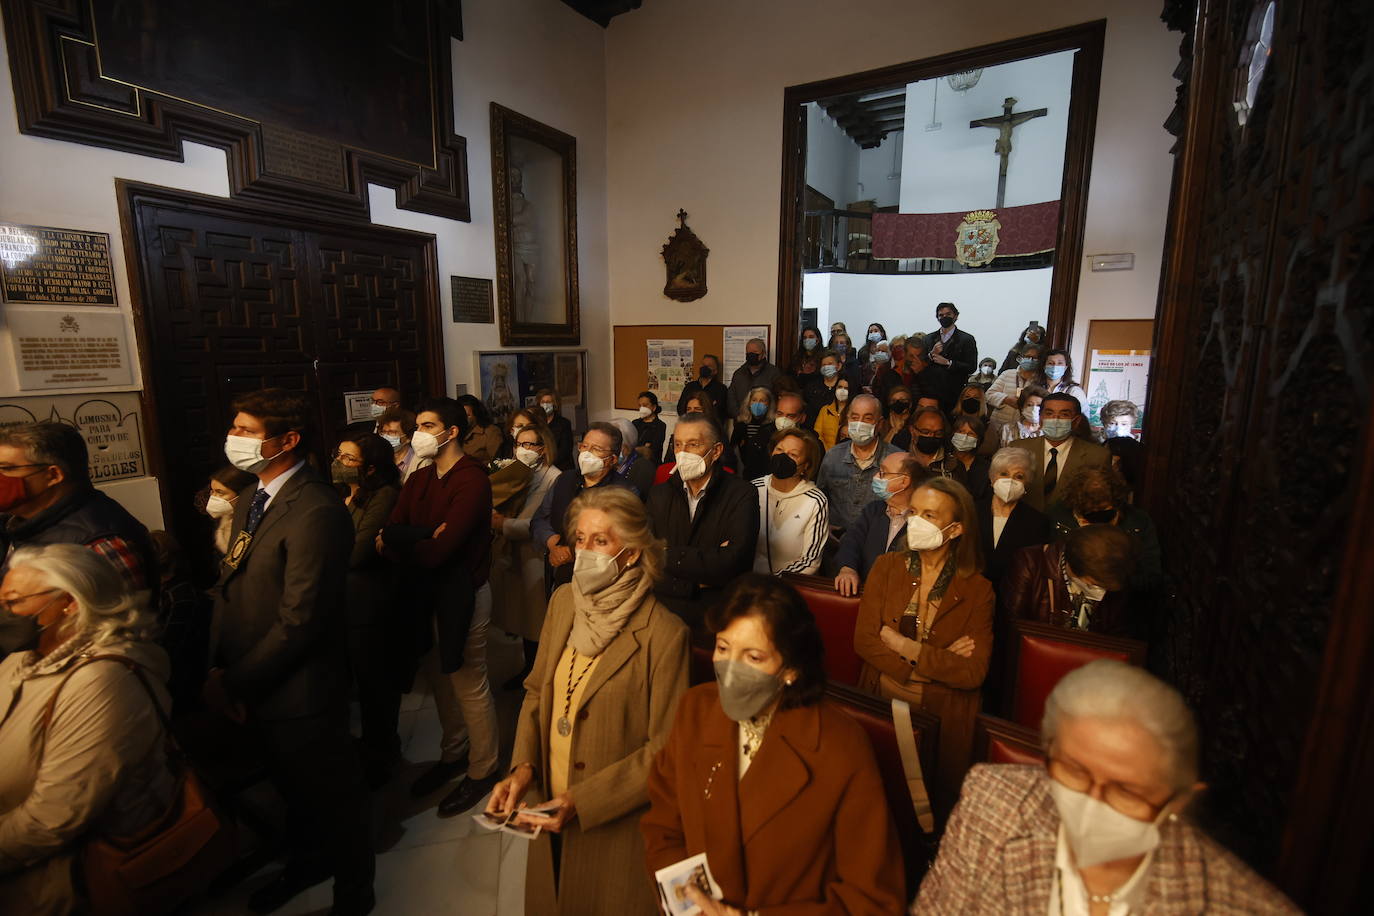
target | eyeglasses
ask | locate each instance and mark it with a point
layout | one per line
(7, 604)
(536, 444)
(598, 450)
(1073, 776)
(345, 458)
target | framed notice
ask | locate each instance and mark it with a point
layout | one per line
(54, 348)
(357, 406)
(472, 302)
(109, 422)
(42, 264)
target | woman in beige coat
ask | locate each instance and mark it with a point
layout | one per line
(100, 767)
(599, 704)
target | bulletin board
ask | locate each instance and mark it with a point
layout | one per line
(631, 347)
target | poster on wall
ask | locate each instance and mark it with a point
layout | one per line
(510, 380)
(56, 348)
(672, 364)
(1117, 375)
(736, 337)
(357, 406)
(107, 421)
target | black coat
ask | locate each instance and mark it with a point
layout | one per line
(714, 389)
(562, 431)
(961, 351)
(706, 552)
(1026, 527)
(652, 433)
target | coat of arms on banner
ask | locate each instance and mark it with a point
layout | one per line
(975, 243)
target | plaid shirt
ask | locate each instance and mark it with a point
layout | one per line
(998, 856)
(125, 559)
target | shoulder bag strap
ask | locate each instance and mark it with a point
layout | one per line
(911, 765)
(127, 662)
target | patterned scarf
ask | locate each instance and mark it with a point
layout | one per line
(599, 618)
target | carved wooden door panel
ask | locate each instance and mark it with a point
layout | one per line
(1263, 352)
(231, 301)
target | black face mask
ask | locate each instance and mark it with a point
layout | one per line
(970, 405)
(707, 372)
(753, 359)
(899, 406)
(929, 445)
(1100, 516)
(946, 321)
(782, 467)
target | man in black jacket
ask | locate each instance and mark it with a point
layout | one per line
(278, 650)
(707, 382)
(950, 347)
(709, 518)
(46, 497)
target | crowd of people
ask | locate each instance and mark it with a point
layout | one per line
(951, 495)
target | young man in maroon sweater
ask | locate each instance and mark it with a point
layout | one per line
(440, 532)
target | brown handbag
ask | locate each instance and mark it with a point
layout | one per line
(176, 856)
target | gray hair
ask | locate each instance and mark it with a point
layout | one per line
(1010, 457)
(51, 443)
(105, 606)
(629, 438)
(699, 419)
(1109, 689)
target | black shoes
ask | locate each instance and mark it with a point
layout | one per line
(468, 794)
(437, 776)
(281, 889)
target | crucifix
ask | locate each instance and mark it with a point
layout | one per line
(1005, 123)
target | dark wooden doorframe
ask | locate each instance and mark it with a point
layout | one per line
(1087, 39)
(328, 234)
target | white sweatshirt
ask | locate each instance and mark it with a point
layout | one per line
(793, 528)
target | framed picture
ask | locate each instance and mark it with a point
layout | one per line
(534, 191)
(509, 379)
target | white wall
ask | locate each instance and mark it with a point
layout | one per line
(955, 167)
(538, 57)
(880, 171)
(993, 307)
(694, 113)
(832, 158)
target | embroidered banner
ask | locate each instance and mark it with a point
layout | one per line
(1024, 230)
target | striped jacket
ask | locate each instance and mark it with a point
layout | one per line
(998, 856)
(793, 528)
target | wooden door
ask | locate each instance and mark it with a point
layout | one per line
(232, 299)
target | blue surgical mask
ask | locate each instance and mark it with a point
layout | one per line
(1027, 364)
(841, 348)
(874, 337)
(881, 356)
(809, 342)
(758, 408)
(829, 371)
(1056, 428)
(880, 488)
(1056, 372)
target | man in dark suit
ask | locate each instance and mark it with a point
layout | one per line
(950, 347)
(710, 520)
(881, 526)
(278, 649)
(1058, 454)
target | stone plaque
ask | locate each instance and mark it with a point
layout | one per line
(472, 302)
(44, 264)
(59, 349)
(302, 156)
(109, 422)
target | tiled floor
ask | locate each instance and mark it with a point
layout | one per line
(425, 864)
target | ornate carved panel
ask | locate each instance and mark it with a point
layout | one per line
(62, 92)
(1257, 443)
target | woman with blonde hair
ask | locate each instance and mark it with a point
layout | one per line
(599, 703)
(753, 429)
(924, 628)
(96, 761)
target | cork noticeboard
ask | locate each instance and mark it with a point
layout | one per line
(630, 347)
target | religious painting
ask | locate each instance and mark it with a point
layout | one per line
(534, 189)
(684, 256)
(509, 380)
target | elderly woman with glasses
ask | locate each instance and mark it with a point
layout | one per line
(97, 765)
(1101, 828)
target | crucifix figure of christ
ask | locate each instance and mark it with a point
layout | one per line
(1005, 123)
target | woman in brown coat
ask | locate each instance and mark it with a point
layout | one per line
(924, 628)
(611, 665)
(775, 784)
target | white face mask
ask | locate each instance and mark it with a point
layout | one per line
(963, 442)
(426, 445)
(841, 394)
(394, 440)
(860, 432)
(245, 453)
(1099, 833)
(1031, 415)
(690, 465)
(921, 534)
(589, 464)
(594, 571)
(528, 457)
(377, 410)
(780, 423)
(645, 412)
(218, 507)
(1008, 489)
(548, 407)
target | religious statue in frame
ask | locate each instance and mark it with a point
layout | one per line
(684, 256)
(534, 190)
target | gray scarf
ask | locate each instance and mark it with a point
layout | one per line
(599, 618)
